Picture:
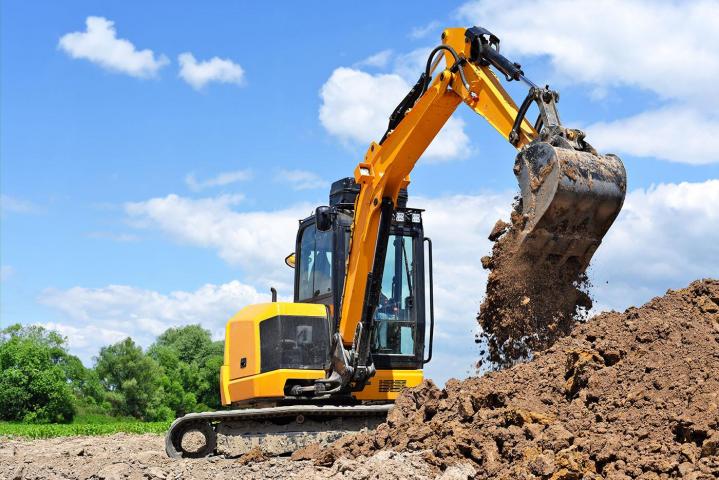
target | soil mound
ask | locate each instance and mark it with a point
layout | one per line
(626, 395)
(529, 305)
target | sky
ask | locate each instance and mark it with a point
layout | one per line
(155, 157)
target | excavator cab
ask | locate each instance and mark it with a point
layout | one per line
(398, 339)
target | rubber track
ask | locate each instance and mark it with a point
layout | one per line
(260, 414)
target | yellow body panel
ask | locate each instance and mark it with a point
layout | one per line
(266, 385)
(385, 385)
(242, 341)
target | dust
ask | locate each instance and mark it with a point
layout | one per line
(626, 395)
(528, 305)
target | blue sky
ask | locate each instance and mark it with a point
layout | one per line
(143, 188)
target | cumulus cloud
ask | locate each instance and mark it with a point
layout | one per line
(356, 106)
(602, 43)
(220, 180)
(301, 179)
(94, 317)
(664, 237)
(256, 241)
(584, 50)
(674, 134)
(99, 44)
(219, 70)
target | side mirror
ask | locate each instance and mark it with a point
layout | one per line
(323, 218)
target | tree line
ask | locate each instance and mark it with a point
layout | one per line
(40, 382)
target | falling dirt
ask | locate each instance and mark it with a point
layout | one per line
(626, 395)
(528, 305)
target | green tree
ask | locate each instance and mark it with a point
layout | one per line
(191, 361)
(34, 382)
(133, 381)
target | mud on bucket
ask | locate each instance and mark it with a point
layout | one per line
(570, 199)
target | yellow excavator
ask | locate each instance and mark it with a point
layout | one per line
(360, 328)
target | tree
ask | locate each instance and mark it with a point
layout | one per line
(133, 381)
(34, 383)
(191, 361)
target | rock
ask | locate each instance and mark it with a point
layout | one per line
(462, 471)
(710, 446)
(114, 471)
(155, 473)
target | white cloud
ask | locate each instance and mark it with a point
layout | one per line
(378, 60)
(225, 178)
(99, 44)
(583, 50)
(257, 241)
(603, 43)
(199, 74)
(6, 271)
(674, 134)
(98, 316)
(301, 179)
(9, 204)
(356, 106)
(664, 237)
(423, 31)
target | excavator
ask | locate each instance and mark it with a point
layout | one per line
(360, 328)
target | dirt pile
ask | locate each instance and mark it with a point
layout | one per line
(528, 305)
(627, 395)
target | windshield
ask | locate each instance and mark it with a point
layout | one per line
(315, 263)
(395, 323)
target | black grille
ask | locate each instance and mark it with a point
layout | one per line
(294, 342)
(391, 385)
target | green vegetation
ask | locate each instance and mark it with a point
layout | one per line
(46, 392)
(49, 430)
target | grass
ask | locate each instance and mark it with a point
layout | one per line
(74, 429)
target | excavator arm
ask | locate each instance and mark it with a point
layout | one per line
(385, 169)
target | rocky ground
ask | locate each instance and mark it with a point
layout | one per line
(142, 457)
(626, 395)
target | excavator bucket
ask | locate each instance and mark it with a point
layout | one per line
(569, 199)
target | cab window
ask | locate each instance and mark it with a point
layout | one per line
(315, 263)
(394, 317)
